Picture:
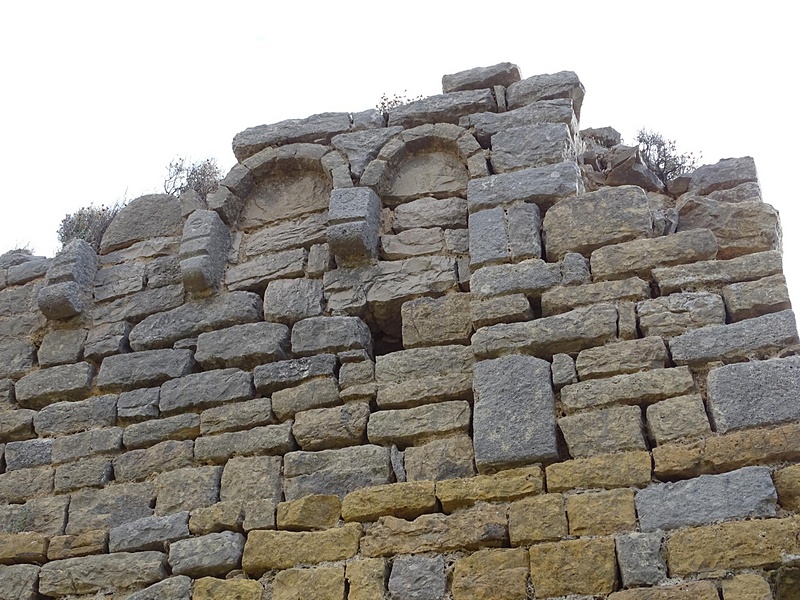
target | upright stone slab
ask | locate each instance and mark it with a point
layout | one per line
(354, 220)
(204, 249)
(514, 417)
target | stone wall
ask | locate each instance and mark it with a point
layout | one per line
(459, 350)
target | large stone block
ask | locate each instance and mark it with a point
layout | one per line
(444, 108)
(73, 417)
(537, 519)
(354, 217)
(187, 489)
(61, 347)
(202, 390)
(16, 358)
(405, 500)
(787, 484)
(362, 147)
(28, 547)
(88, 443)
(418, 578)
(204, 250)
(122, 571)
(584, 566)
(491, 574)
(714, 273)
(269, 439)
(754, 393)
(602, 431)
(514, 422)
(563, 298)
(47, 516)
(507, 485)
(694, 590)
(447, 213)
(149, 533)
(564, 84)
(601, 513)
(211, 588)
(180, 427)
(751, 299)
(738, 341)
(620, 358)
(327, 583)
(19, 582)
(238, 416)
(124, 372)
(481, 77)
(174, 588)
(485, 125)
(584, 223)
(43, 387)
(88, 472)
(531, 146)
(409, 426)
(287, 373)
(572, 331)
(316, 127)
(256, 477)
(105, 340)
(674, 315)
(336, 472)
(724, 175)
(678, 418)
(109, 507)
(154, 215)
(20, 486)
(321, 392)
(446, 458)
(319, 511)
(243, 346)
(140, 464)
(290, 300)
(257, 272)
(16, 425)
(434, 322)
(224, 310)
(330, 334)
(501, 309)
(214, 554)
(138, 306)
(327, 428)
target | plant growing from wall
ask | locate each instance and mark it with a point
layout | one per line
(88, 223)
(662, 157)
(203, 177)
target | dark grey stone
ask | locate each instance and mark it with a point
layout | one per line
(528, 146)
(269, 439)
(16, 425)
(125, 372)
(214, 554)
(20, 486)
(139, 305)
(335, 471)
(114, 281)
(163, 271)
(239, 180)
(105, 340)
(150, 216)
(330, 334)
(7, 398)
(737, 341)
(29, 270)
(564, 84)
(524, 226)
(109, 507)
(19, 582)
(640, 558)
(149, 533)
(73, 417)
(724, 175)
(418, 578)
(187, 489)
(361, 147)
(744, 493)
(87, 472)
(481, 77)
(165, 456)
(290, 300)
(41, 515)
(311, 129)
(243, 346)
(28, 454)
(66, 382)
(754, 393)
(180, 427)
(138, 405)
(238, 416)
(174, 588)
(203, 390)
(530, 277)
(17, 357)
(444, 108)
(514, 416)
(488, 240)
(286, 373)
(258, 271)
(61, 347)
(89, 443)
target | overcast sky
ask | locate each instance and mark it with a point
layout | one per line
(98, 97)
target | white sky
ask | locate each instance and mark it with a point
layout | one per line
(96, 98)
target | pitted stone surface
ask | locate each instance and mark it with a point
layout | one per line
(243, 346)
(418, 578)
(215, 554)
(564, 84)
(65, 382)
(152, 216)
(481, 77)
(125, 372)
(149, 533)
(287, 373)
(202, 390)
(444, 108)
(330, 334)
(641, 559)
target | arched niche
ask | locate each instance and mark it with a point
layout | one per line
(430, 160)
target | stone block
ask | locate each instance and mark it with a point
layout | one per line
(242, 346)
(737, 545)
(213, 554)
(488, 240)
(444, 108)
(645, 387)
(317, 335)
(221, 516)
(318, 511)
(747, 492)
(89, 443)
(287, 235)
(561, 299)
(73, 417)
(481, 526)
(413, 242)
(756, 298)
(257, 272)
(150, 533)
(674, 315)
(203, 390)
(638, 258)
(622, 357)
(125, 372)
(19, 582)
(327, 583)
(7, 399)
(601, 513)
(362, 147)
(563, 370)
(337, 427)
(320, 260)
(683, 417)
(587, 222)
(163, 271)
(187, 489)
(501, 309)
(118, 280)
(786, 583)
(211, 588)
(724, 175)
(523, 227)
(271, 377)
(535, 145)
(748, 586)
(584, 566)
(26, 547)
(269, 550)
(514, 414)
(564, 84)
(61, 347)
(445, 458)
(322, 392)
(405, 427)
(641, 559)
(106, 339)
(695, 590)
(138, 405)
(236, 417)
(504, 486)
(602, 431)
(20, 486)
(65, 382)
(336, 472)
(173, 588)
(87, 472)
(737, 341)
(439, 321)
(530, 277)
(180, 427)
(572, 331)
(47, 516)
(290, 300)
(269, 439)
(787, 484)
(485, 125)
(28, 454)
(16, 425)
(447, 213)
(535, 519)
(481, 77)
(140, 464)
(83, 544)
(405, 500)
(138, 306)
(712, 274)
(258, 514)
(418, 578)
(204, 250)
(252, 477)
(316, 127)
(366, 578)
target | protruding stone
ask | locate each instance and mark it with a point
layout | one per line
(354, 221)
(155, 215)
(330, 334)
(204, 250)
(69, 282)
(418, 578)
(142, 369)
(564, 84)
(724, 175)
(755, 298)
(481, 77)
(66, 382)
(711, 274)
(641, 559)
(674, 315)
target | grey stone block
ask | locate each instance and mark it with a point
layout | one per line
(270, 439)
(447, 213)
(234, 417)
(203, 390)
(256, 477)
(163, 271)
(150, 533)
(713, 273)
(290, 300)
(41, 515)
(418, 578)
(28, 454)
(187, 489)
(141, 464)
(488, 240)
(321, 392)
(89, 443)
(745, 493)
(514, 421)
(481, 77)
(65, 382)
(226, 204)
(411, 426)
(754, 393)
(121, 571)
(64, 418)
(174, 588)
(320, 260)
(362, 147)
(8, 400)
(683, 417)
(138, 405)
(335, 471)
(330, 334)
(446, 458)
(258, 271)
(20, 486)
(61, 347)
(154, 215)
(243, 346)
(564, 84)
(109, 507)
(286, 373)
(311, 129)
(139, 305)
(673, 315)
(214, 554)
(353, 243)
(17, 425)
(563, 298)
(724, 175)
(29, 270)
(444, 108)
(484, 125)
(327, 428)
(641, 559)
(180, 427)
(125, 372)
(88, 472)
(604, 431)
(105, 340)
(531, 146)
(755, 298)
(500, 309)
(190, 320)
(204, 251)
(563, 370)
(19, 582)
(737, 341)
(114, 281)
(524, 226)
(530, 277)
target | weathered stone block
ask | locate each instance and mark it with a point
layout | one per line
(408, 426)
(89, 443)
(174, 588)
(530, 277)
(112, 506)
(290, 300)
(485, 125)
(433, 322)
(366, 578)
(537, 519)
(286, 235)
(257, 272)
(337, 427)
(564, 84)
(204, 249)
(787, 484)
(150, 533)
(695, 590)
(563, 298)
(502, 487)
(242, 346)
(641, 559)
(502, 309)
(286, 373)
(87, 472)
(316, 127)
(405, 500)
(602, 431)
(327, 583)
(755, 298)
(19, 582)
(447, 458)
(72, 417)
(43, 387)
(714, 273)
(748, 586)
(138, 405)
(41, 515)
(105, 340)
(622, 357)
(444, 108)
(336, 472)
(418, 578)
(61, 347)
(724, 175)
(534, 145)
(514, 401)
(140, 464)
(318, 511)
(677, 418)
(447, 213)
(20, 486)
(321, 392)
(481, 77)
(26, 547)
(179, 427)
(203, 390)
(214, 554)
(138, 306)
(644, 387)
(221, 516)
(585, 566)
(330, 334)
(252, 477)
(211, 588)
(270, 439)
(17, 425)
(488, 240)
(187, 489)
(238, 416)
(143, 369)
(601, 513)
(28, 454)
(674, 315)
(267, 550)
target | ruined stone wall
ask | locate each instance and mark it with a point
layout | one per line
(459, 350)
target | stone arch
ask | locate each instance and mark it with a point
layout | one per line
(429, 160)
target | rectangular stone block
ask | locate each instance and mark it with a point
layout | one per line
(601, 513)
(504, 486)
(202, 390)
(537, 519)
(213, 554)
(179, 427)
(186, 489)
(534, 145)
(19, 582)
(73, 417)
(585, 566)
(105, 340)
(89, 443)
(242, 346)
(502, 309)
(138, 306)
(20, 486)
(531, 277)
(488, 240)
(137, 405)
(645, 387)
(641, 558)
(751, 299)
(711, 274)
(481, 526)
(447, 213)
(28, 454)
(294, 584)
(321, 392)
(336, 472)
(41, 515)
(72, 546)
(125, 372)
(446, 458)
(140, 464)
(88, 472)
(26, 547)
(436, 321)
(61, 347)
(18, 357)
(674, 315)
(175, 588)
(65, 382)
(444, 108)
(404, 500)
(271, 377)
(270, 439)
(496, 574)
(238, 416)
(514, 414)
(258, 271)
(620, 358)
(602, 431)
(569, 332)
(315, 512)
(563, 298)
(366, 578)
(337, 427)
(256, 477)
(318, 335)
(738, 341)
(678, 418)
(149, 533)
(109, 507)
(16, 425)
(406, 427)
(695, 590)
(412, 242)
(787, 484)
(268, 550)
(90, 574)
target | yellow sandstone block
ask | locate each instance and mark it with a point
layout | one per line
(746, 587)
(492, 575)
(18, 548)
(366, 578)
(321, 583)
(500, 487)
(209, 588)
(787, 482)
(318, 511)
(698, 590)
(606, 471)
(406, 500)
(585, 566)
(537, 519)
(601, 513)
